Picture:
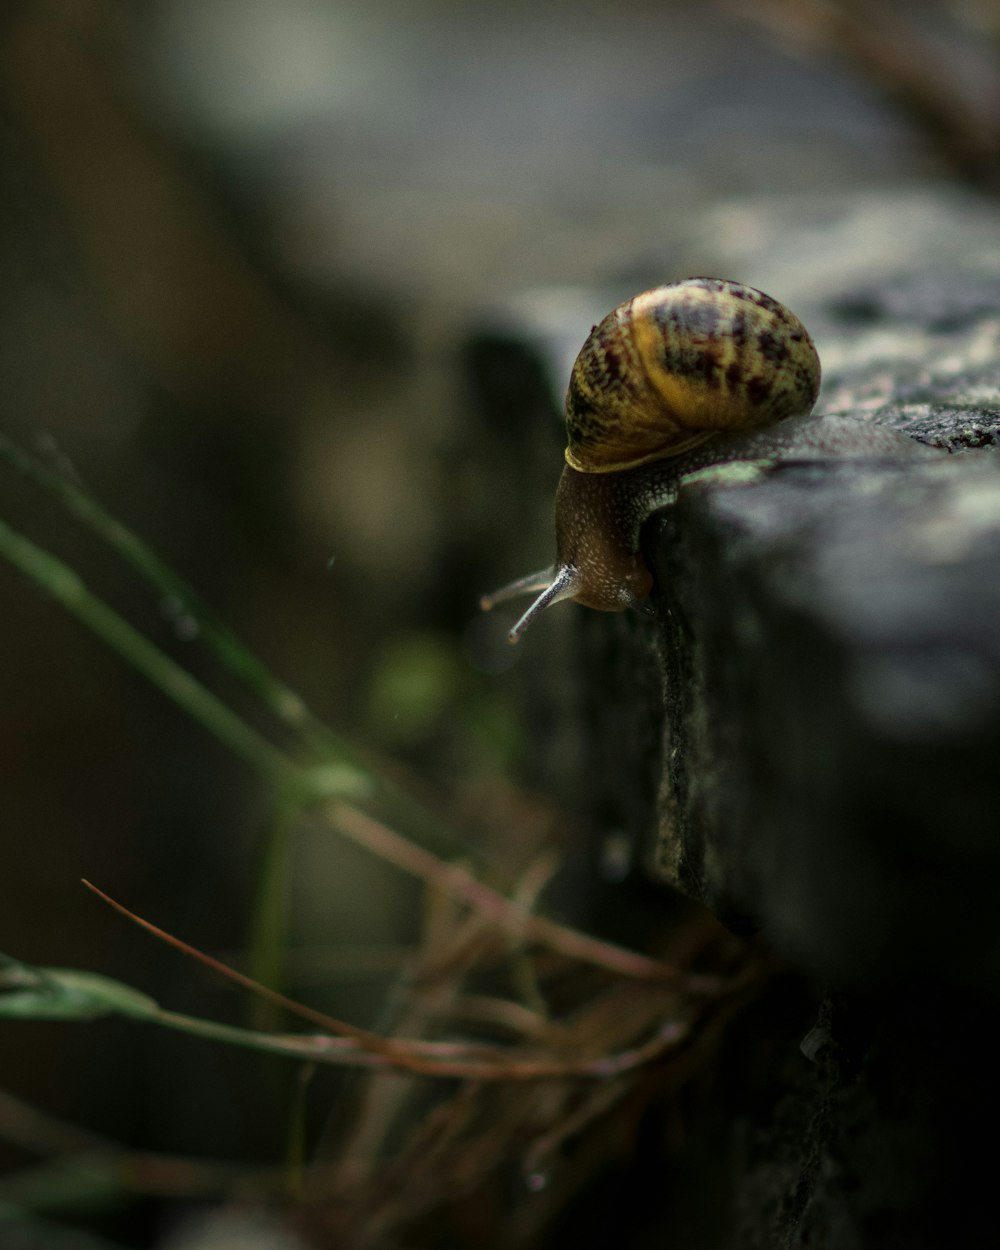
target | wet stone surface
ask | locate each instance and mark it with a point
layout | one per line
(806, 738)
(831, 658)
(832, 714)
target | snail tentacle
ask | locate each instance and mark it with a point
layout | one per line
(563, 585)
(530, 584)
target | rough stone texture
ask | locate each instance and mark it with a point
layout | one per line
(832, 664)
(830, 641)
(832, 676)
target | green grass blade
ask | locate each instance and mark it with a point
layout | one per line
(68, 589)
(284, 702)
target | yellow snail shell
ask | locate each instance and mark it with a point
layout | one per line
(675, 365)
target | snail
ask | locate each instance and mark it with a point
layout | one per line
(696, 373)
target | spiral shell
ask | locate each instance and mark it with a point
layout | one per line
(672, 366)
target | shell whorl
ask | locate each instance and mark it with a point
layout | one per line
(674, 365)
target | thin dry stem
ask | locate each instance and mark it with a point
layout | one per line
(355, 1045)
(514, 919)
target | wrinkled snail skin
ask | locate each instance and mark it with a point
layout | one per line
(699, 373)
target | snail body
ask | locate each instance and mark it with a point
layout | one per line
(674, 379)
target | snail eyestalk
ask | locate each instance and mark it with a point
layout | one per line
(554, 584)
(527, 585)
(562, 586)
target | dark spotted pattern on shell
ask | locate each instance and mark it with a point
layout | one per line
(669, 368)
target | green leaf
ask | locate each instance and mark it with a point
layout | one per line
(30, 993)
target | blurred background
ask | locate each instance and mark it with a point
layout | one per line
(244, 246)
